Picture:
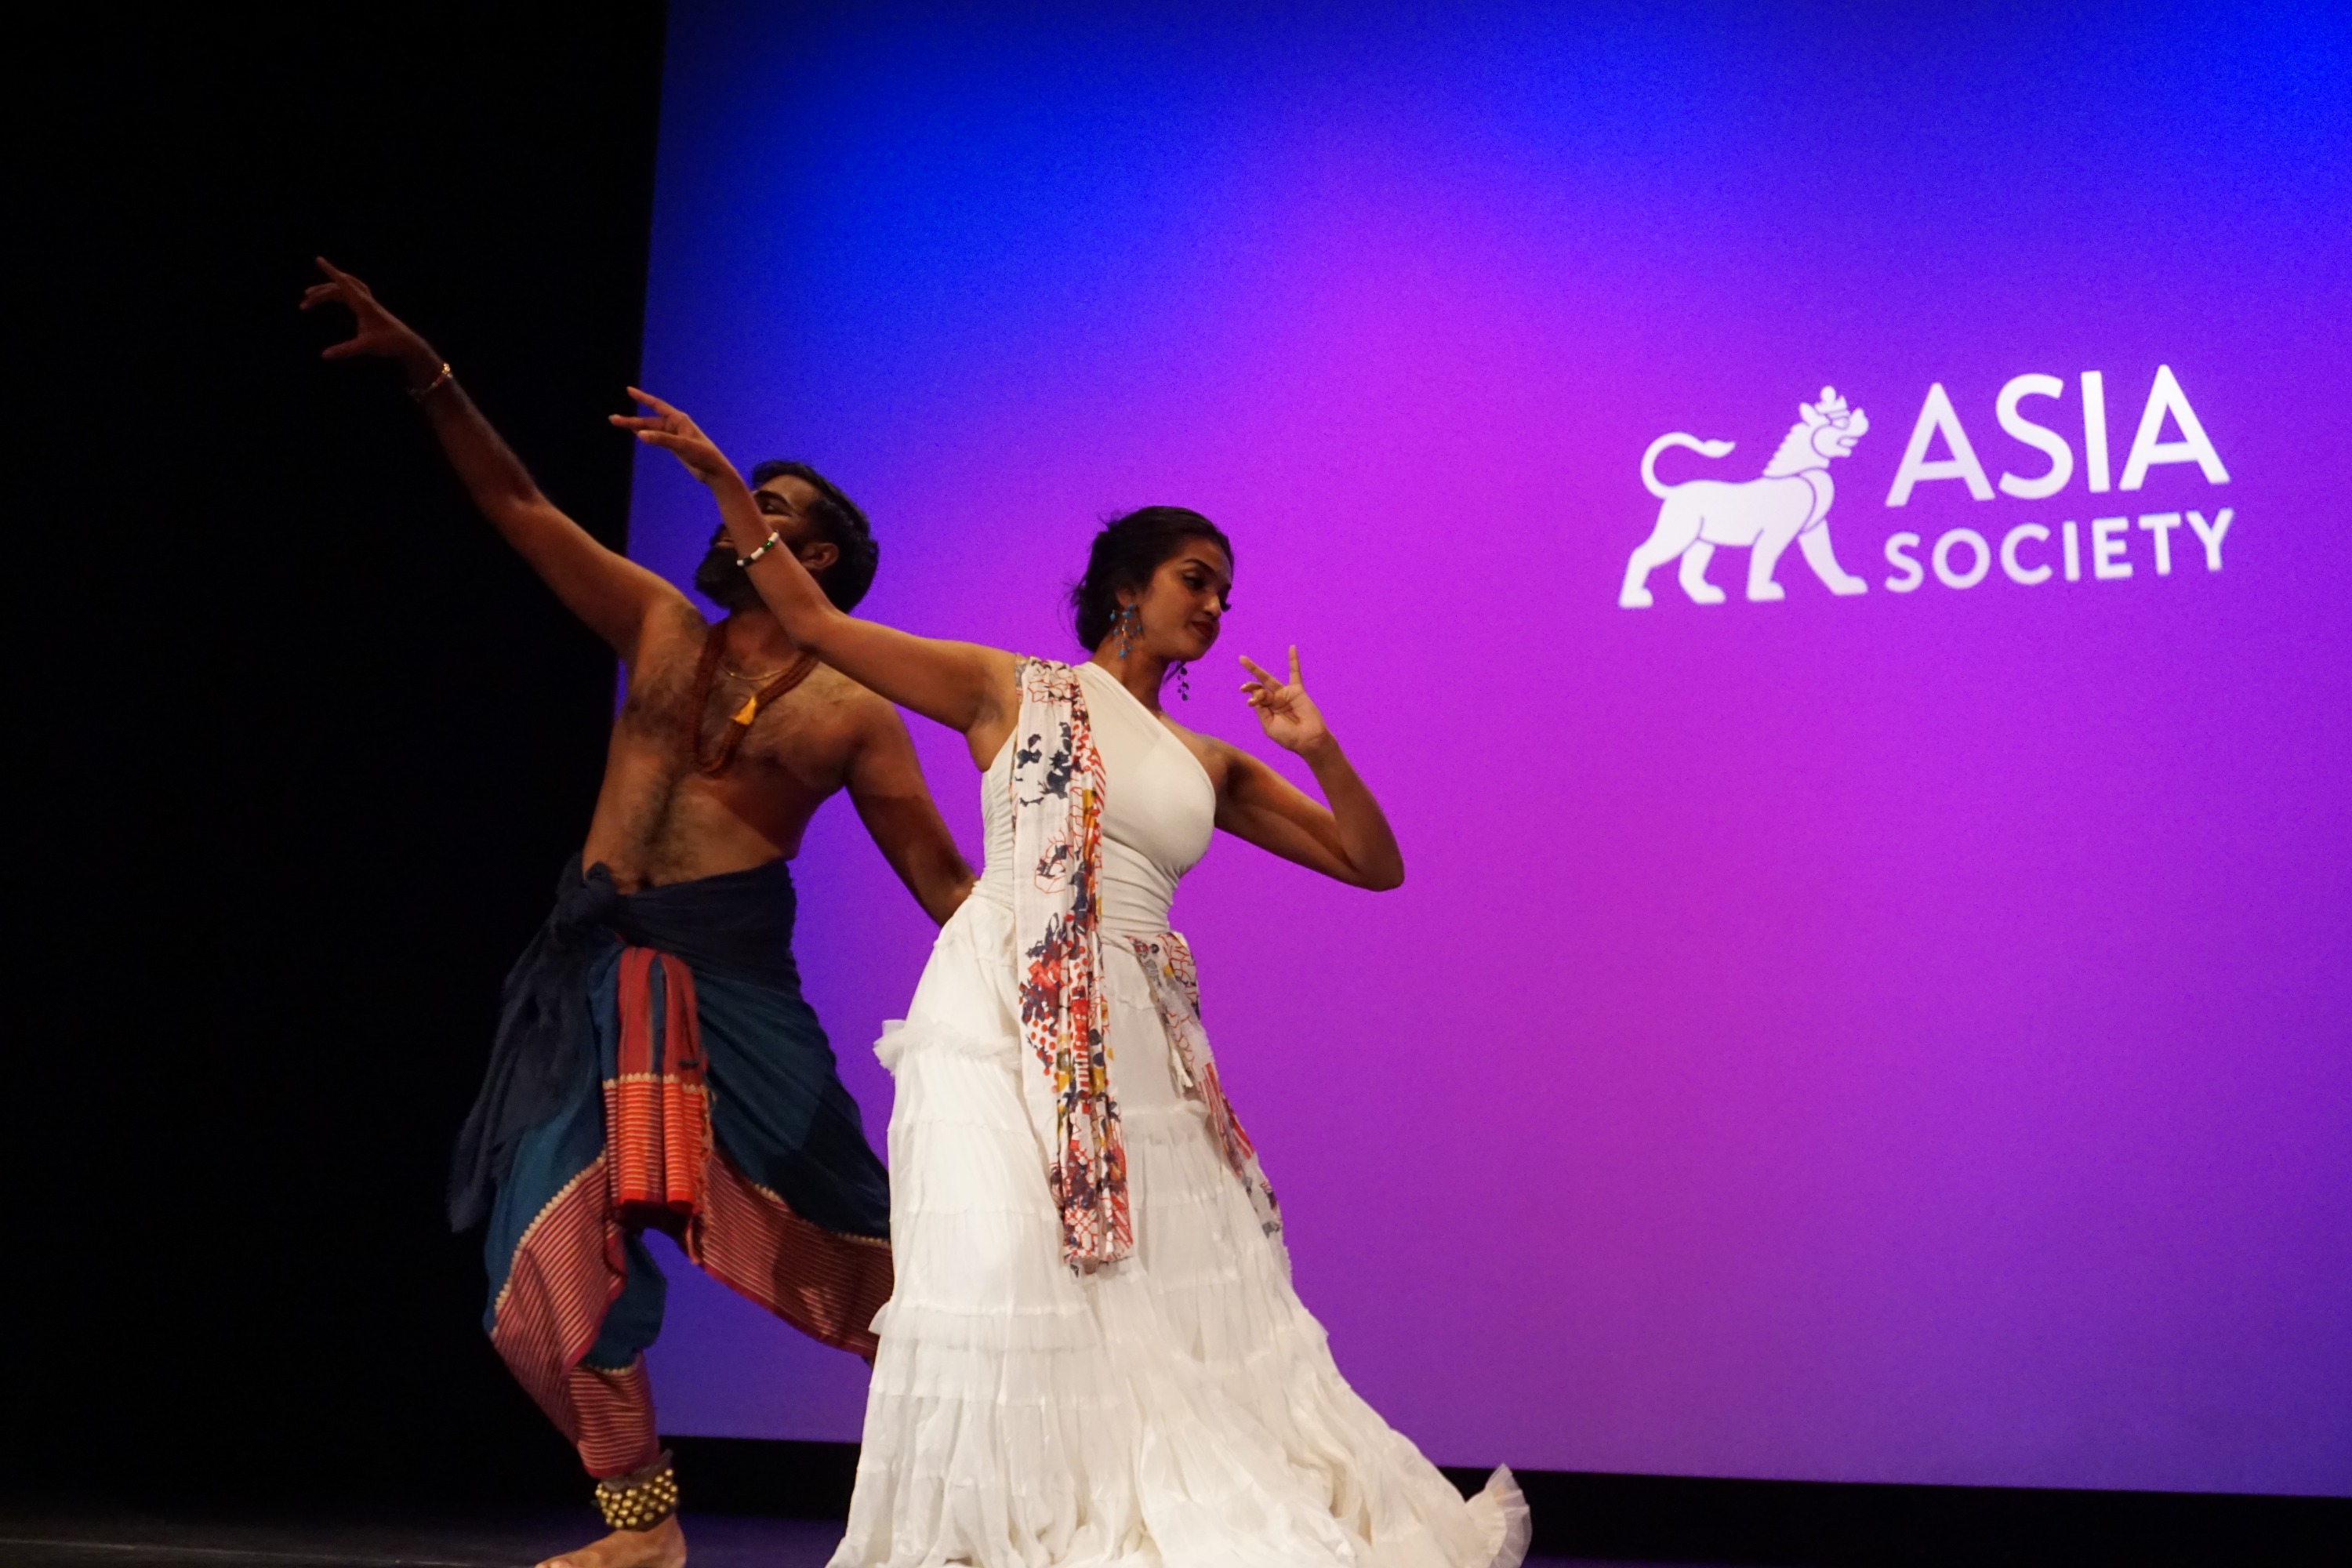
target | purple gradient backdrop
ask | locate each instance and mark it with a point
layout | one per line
(1892, 1038)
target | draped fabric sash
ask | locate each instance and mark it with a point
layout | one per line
(544, 1049)
(1058, 808)
(658, 1102)
(1167, 961)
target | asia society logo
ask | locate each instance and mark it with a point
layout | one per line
(1790, 501)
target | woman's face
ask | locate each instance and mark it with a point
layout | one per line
(1186, 600)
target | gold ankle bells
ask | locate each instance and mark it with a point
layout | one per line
(640, 1500)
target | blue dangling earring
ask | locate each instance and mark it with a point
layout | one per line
(1127, 620)
(1183, 681)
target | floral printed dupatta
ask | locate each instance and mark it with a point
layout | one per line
(1057, 807)
(1167, 966)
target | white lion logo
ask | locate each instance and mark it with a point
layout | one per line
(1790, 501)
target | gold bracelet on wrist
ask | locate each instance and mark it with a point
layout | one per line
(419, 394)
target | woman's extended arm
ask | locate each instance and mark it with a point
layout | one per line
(964, 685)
(1348, 839)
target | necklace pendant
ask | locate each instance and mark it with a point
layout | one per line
(749, 711)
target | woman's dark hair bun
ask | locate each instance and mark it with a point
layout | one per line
(1126, 553)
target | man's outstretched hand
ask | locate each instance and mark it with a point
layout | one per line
(376, 332)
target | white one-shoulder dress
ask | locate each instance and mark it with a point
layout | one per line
(1178, 1409)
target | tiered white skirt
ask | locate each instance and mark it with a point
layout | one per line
(1177, 1410)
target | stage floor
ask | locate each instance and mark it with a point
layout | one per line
(98, 1538)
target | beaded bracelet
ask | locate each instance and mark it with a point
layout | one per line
(766, 545)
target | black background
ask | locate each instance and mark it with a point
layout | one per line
(299, 745)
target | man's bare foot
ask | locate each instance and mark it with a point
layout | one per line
(663, 1546)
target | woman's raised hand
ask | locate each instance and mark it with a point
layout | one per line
(681, 437)
(375, 331)
(1284, 709)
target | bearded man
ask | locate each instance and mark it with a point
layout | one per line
(654, 1063)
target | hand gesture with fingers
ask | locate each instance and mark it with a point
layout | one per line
(670, 429)
(1284, 709)
(376, 332)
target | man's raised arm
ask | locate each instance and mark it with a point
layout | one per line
(611, 593)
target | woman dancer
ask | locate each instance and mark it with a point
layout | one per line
(1093, 1354)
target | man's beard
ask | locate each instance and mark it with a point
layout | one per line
(723, 582)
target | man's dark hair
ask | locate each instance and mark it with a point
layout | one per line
(1126, 553)
(838, 519)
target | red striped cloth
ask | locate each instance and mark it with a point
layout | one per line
(660, 1167)
(827, 1285)
(566, 1271)
(658, 1105)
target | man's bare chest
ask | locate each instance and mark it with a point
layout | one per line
(735, 732)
